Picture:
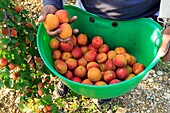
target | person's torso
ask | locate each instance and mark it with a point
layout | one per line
(122, 9)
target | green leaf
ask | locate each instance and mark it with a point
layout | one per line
(31, 37)
(2, 15)
(4, 4)
(5, 40)
(45, 90)
(4, 72)
(17, 86)
(10, 23)
(1, 84)
(32, 51)
(14, 40)
(54, 108)
(47, 99)
(9, 83)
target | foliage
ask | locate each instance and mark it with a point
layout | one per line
(21, 52)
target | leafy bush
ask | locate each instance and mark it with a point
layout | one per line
(21, 67)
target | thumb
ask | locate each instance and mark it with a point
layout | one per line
(42, 16)
(164, 46)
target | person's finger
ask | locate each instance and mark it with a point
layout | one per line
(46, 10)
(41, 18)
(75, 31)
(62, 40)
(166, 57)
(72, 19)
(53, 33)
(164, 46)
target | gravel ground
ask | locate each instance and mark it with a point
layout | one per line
(152, 95)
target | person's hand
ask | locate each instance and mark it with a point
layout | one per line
(50, 9)
(164, 50)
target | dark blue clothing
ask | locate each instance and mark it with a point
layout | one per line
(116, 9)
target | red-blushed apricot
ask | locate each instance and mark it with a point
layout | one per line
(138, 68)
(97, 41)
(62, 16)
(82, 39)
(76, 79)
(66, 31)
(122, 73)
(60, 66)
(120, 60)
(80, 71)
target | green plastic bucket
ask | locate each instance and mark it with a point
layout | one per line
(139, 37)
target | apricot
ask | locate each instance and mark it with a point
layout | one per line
(66, 46)
(51, 22)
(94, 74)
(97, 42)
(27, 41)
(92, 64)
(87, 81)
(120, 60)
(82, 39)
(92, 48)
(74, 40)
(15, 76)
(71, 63)
(103, 49)
(109, 75)
(13, 32)
(138, 68)
(76, 79)
(133, 60)
(84, 49)
(68, 75)
(56, 54)
(3, 61)
(28, 24)
(129, 69)
(60, 66)
(18, 9)
(101, 57)
(54, 43)
(65, 55)
(76, 52)
(66, 31)
(110, 65)
(114, 81)
(80, 71)
(90, 56)
(12, 66)
(100, 83)
(82, 62)
(128, 57)
(5, 31)
(130, 76)
(62, 15)
(102, 66)
(40, 85)
(120, 50)
(40, 92)
(111, 55)
(122, 73)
